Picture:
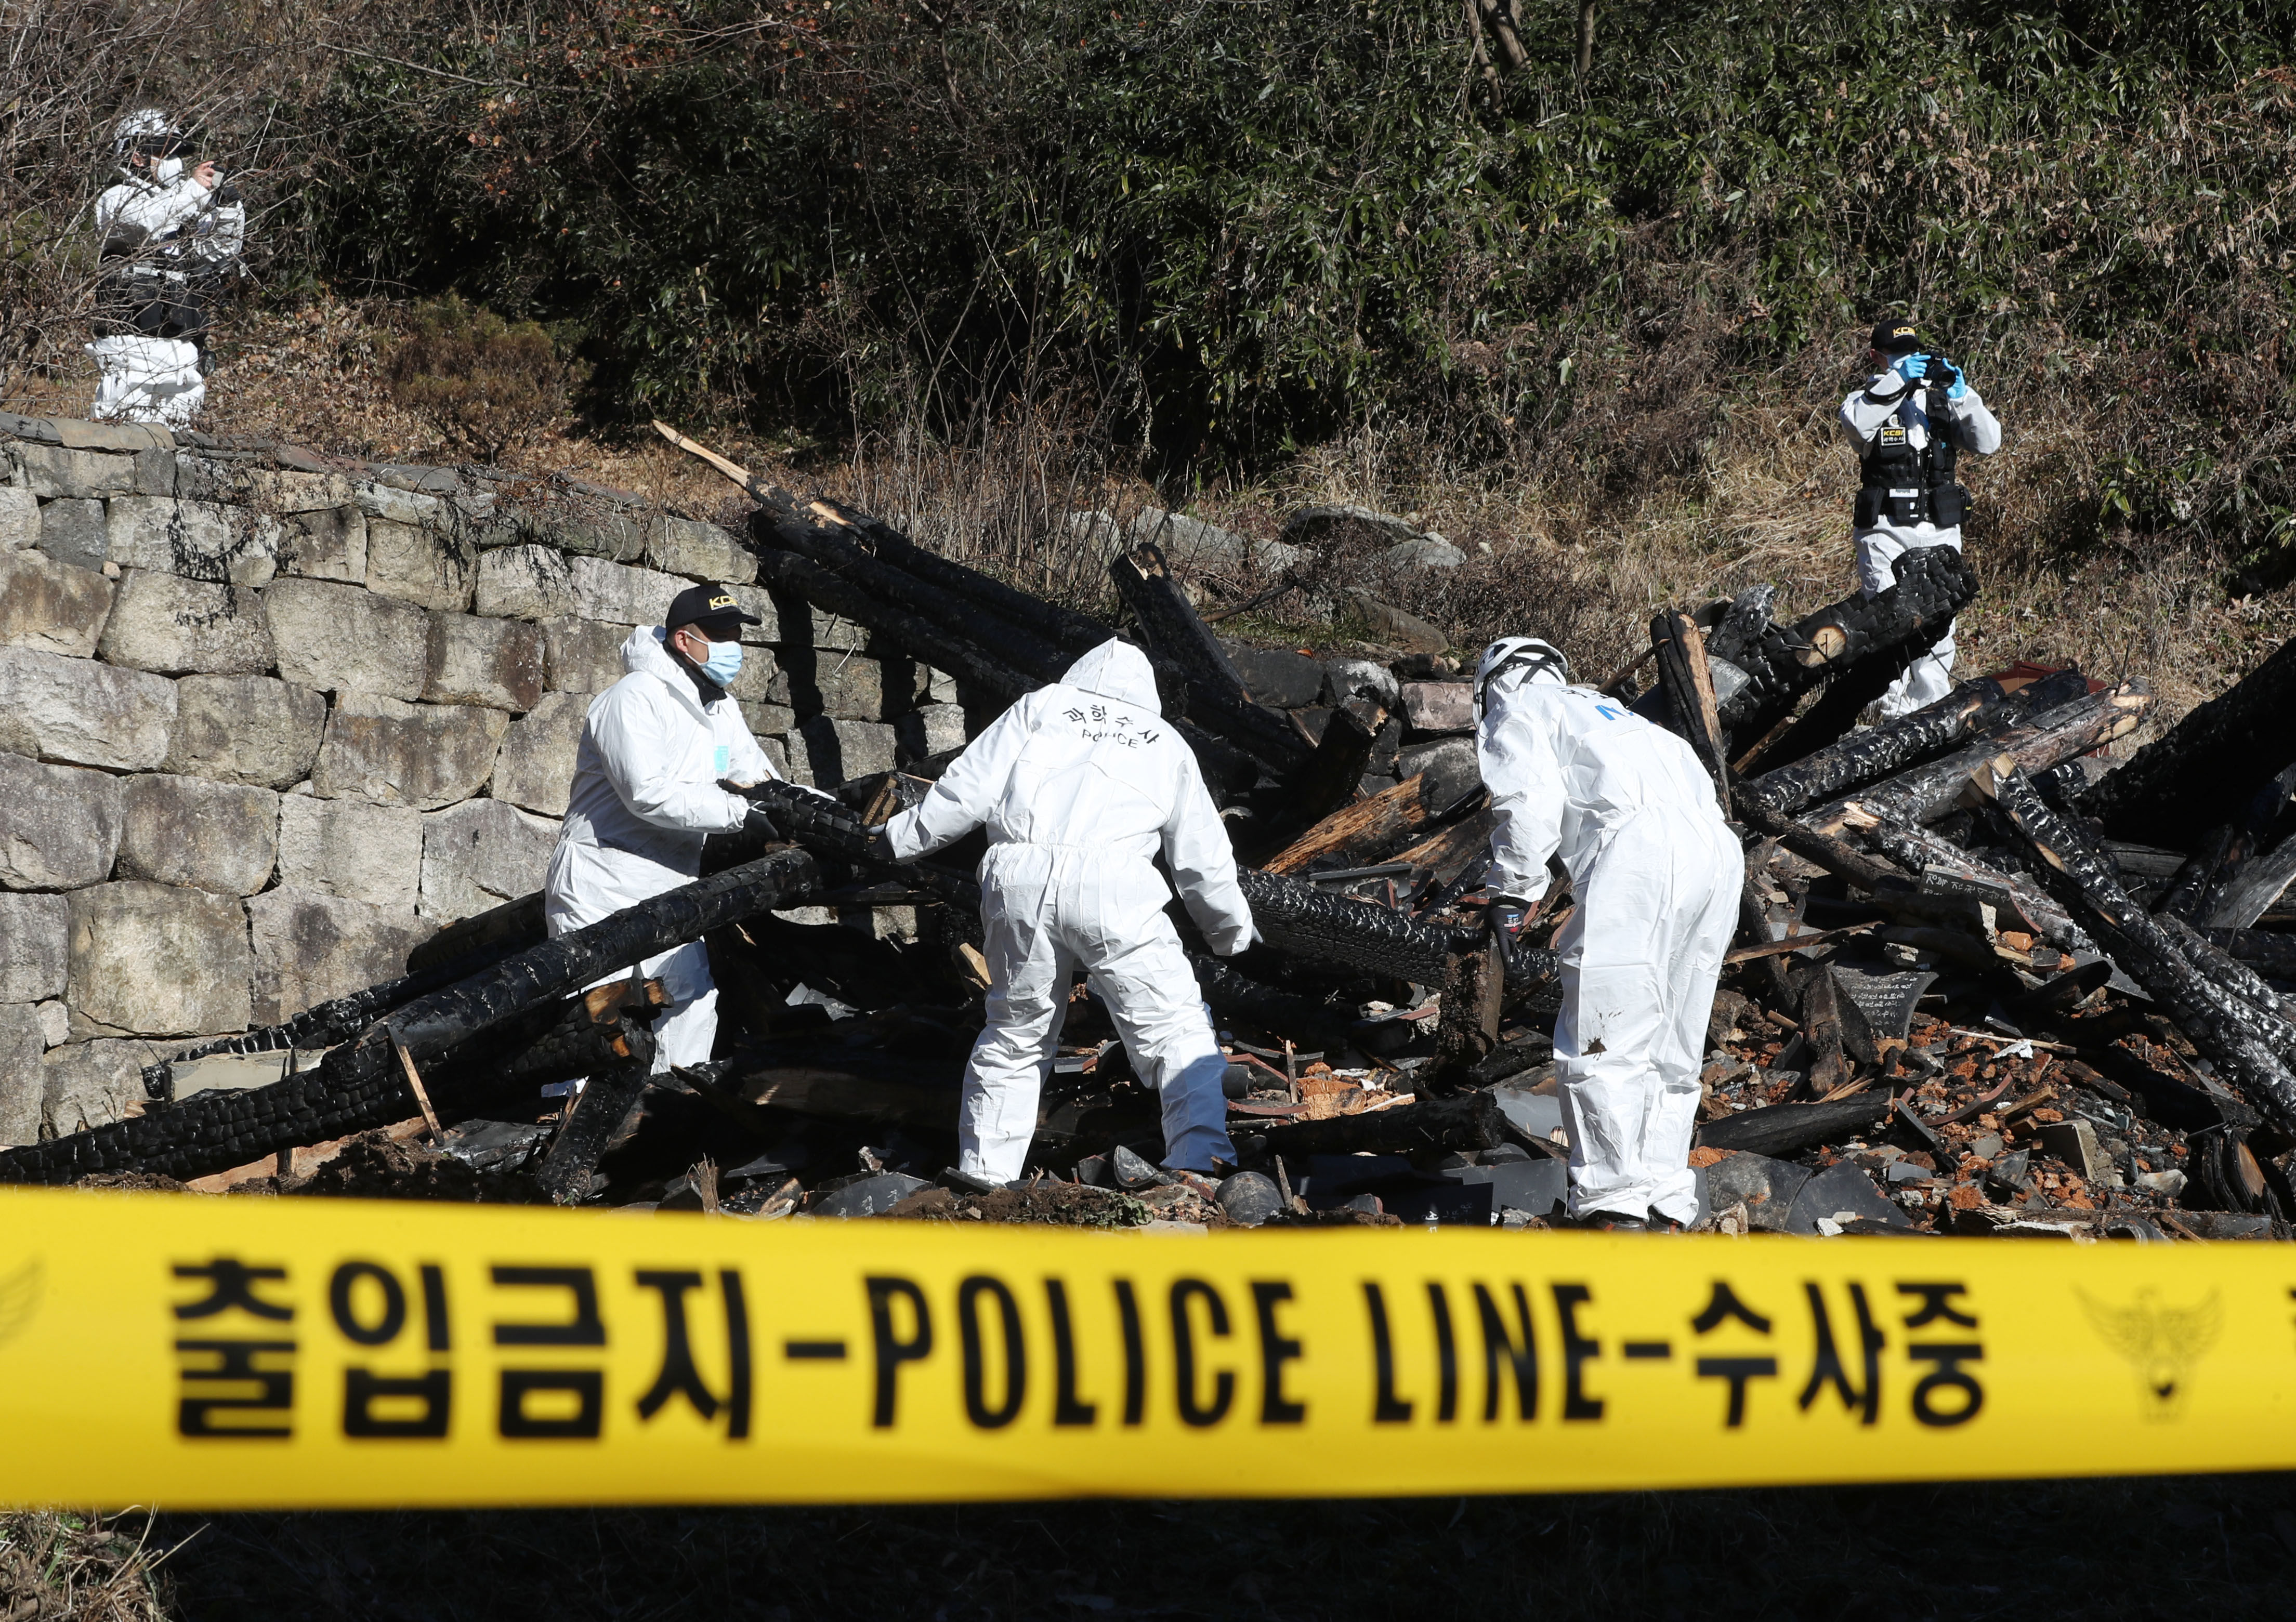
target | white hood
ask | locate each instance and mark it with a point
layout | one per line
(1117, 670)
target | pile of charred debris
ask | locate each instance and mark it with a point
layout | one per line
(1981, 984)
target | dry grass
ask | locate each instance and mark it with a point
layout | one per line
(66, 1567)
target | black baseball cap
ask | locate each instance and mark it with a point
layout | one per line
(702, 605)
(1895, 335)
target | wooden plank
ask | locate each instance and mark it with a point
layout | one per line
(1369, 830)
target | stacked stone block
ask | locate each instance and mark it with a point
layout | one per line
(268, 722)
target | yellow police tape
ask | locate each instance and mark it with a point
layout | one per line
(202, 1353)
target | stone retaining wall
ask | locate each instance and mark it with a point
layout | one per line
(269, 720)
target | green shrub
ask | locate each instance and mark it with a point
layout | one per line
(488, 385)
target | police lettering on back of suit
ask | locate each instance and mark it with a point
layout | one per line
(1908, 425)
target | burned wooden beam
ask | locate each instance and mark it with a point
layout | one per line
(1688, 683)
(1922, 852)
(1297, 918)
(1470, 1120)
(358, 1086)
(1218, 698)
(571, 1165)
(2274, 954)
(2224, 751)
(1325, 783)
(1238, 998)
(1779, 1130)
(1467, 1029)
(1374, 830)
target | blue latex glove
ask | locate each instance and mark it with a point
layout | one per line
(1959, 386)
(1911, 367)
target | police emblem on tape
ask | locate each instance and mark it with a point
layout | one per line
(2162, 1343)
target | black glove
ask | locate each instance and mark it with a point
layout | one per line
(880, 844)
(1508, 914)
(755, 821)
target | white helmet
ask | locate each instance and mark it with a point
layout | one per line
(1542, 661)
(143, 130)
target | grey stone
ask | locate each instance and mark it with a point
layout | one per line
(23, 1079)
(1360, 678)
(777, 751)
(1314, 526)
(340, 638)
(246, 729)
(19, 518)
(159, 960)
(1766, 1187)
(198, 540)
(352, 848)
(309, 948)
(419, 567)
(1440, 707)
(281, 491)
(59, 826)
(93, 1084)
(155, 471)
(618, 594)
(481, 854)
(838, 751)
(526, 583)
(218, 836)
(535, 768)
(398, 506)
(798, 624)
(426, 756)
(35, 946)
(1393, 628)
(700, 552)
(328, 544)
(51, 470)
(72, 531)
(55, 1023)
(933, 730)
(1277, 677)
(1249, 1197)
(769, 720)
(1190, 544)
(84, 713)
(758, 601)
(167, 624)
(845, 687)
(58, 608)
(581, 655)
(570, 520)
(494, 663)
(1450, 764)
(760, 671)
(1428, 552)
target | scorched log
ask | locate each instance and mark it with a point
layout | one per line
(2178, 785)
(1218, 698)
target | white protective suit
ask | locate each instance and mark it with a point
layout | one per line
(1888, 398)
(645, 796)
(162, 234)
(1080, 784)
(1656, 876)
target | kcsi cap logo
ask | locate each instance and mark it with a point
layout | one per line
(19, 1298)
(2162, 1343)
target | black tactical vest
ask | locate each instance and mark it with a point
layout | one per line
(1900, 485)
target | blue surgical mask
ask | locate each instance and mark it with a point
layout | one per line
(724, 662)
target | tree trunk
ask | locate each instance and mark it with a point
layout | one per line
(1585, 40)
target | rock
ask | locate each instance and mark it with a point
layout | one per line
(159, 960)
(1317, 527)
(1766, 1187)
(700, 552)
(84, 713)
(171, 626)
(35, 946)
(481, 853)
(330, 543)
(760, 671)
(932, 730)
(418, 567)
(836, 751)
(246, 729)
(1277, 678)
(51, 470)
(352, 848)
(59, 826)
(343, 639)
(397, 506)
(283, 490)
(57, 608)
(1360, 678)
(525, 583)
(93, 1084)
(19, 518)
(311, 947)
(494, 663)
(573, 521)
(73, 532)
(1131, 1172)
(534, 769)
(426, 756)
(770, 720)
(196, 539)
(23, 1079)
(1428, 552)
(1450, 764)
(620, 594)
(1391, 626)
(55, 1021)
(756, 599)
(218, 836)
(798, 624)
(582, 656)
(1440, 707)
(845, 688)
(1249, 1199)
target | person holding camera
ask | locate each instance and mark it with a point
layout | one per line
(167, 233)
(1908, 424)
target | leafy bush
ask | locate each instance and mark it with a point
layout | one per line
(486, 384)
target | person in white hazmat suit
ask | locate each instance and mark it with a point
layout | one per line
(1907, 424)
(1080, 784)
(166, 235)
(1655, 873)
(655, 748)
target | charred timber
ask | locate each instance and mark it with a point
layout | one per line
(358, 1086)
(1239, 999)
(2265, 949)
(920, 638)
(1296, 917)
(828, 829)
(2178, 785)
(1326, 781)
(1470, 1120)
(1218, 698)
(1779, 1130)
